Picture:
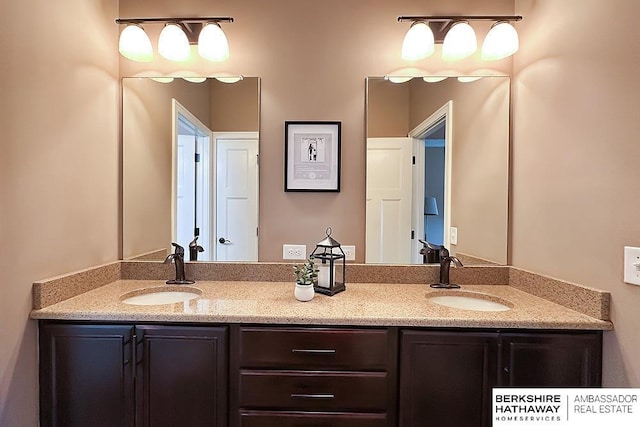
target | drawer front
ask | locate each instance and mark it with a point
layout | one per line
(302, 419)
(314, 391)
(315, 348)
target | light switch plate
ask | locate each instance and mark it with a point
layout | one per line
(453, 235)
(632, 265)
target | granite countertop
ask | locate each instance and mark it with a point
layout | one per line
(370, 304)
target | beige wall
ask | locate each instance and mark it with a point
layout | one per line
(313, 58)
(59, 167)
(576, 156)
(235, 107)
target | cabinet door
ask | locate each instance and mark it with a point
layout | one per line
(86, 375)
(181, 376)
(446, 378)
(551, 359)
(310, 419)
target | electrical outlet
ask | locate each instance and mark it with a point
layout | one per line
(632, 265)
(294, 251)
(349, 252)
(453, 235)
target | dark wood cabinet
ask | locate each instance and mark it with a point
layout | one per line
(314, 376)
(126, 375)
(86, 375)
(446, 378)
(551, 359)
(181, 376)
(155, 375)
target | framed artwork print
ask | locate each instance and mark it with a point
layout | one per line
(312, 156)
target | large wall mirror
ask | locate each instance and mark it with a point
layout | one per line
(190, 167)
(437, 169)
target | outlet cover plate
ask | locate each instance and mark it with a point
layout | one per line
(294, 251)
(632, 265)
(349, 252)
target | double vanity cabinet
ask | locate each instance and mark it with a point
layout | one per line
(255, 375)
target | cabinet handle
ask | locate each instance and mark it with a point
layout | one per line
(313, 396)
(295, 350)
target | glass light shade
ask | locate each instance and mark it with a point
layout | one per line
(195, 79)
(418, 43)
(212, 43)
(135, 45)
(434, 79)
(460, 42)
(173, 43)
(501, 41)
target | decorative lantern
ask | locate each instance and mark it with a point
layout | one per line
(331, 266)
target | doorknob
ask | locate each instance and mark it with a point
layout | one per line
(224, 241)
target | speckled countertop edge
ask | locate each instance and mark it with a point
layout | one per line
(366, 304)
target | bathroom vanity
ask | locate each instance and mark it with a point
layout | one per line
(246, 353)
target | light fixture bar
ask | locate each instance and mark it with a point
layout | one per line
(174, 20)
(446, 18)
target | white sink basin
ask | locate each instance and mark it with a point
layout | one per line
(470, 301)
(161, 295)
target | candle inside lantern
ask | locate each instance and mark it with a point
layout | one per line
(324, 275)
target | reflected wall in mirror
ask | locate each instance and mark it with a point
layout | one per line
(458, 133)
(190, 167)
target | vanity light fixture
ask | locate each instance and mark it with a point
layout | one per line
(175, 38)
(458, 37)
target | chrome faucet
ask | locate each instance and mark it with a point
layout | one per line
(178, 259)
(445, 263)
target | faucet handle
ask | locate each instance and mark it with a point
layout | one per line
(179, 250)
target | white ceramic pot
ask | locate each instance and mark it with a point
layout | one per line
(304, 292)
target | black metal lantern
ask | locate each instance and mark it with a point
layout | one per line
(331, 266)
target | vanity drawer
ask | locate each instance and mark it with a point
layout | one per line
(315, 348)
(314, 390)
(301, 419)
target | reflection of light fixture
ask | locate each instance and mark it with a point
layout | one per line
(331, 268)
(418, 43)
(458, 37)
(162, 79)
(468, 79)
(229, 79)
(460, 42)
(501, 41)
(398, 79)
(175, 38)
(212, 43)
(134, 44)
(195, 79)
(434, 79)
(173, 43)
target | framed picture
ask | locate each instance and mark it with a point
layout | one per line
(312, 156)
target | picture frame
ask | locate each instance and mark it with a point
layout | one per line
(312, 156)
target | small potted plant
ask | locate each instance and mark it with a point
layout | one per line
(305, 276)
